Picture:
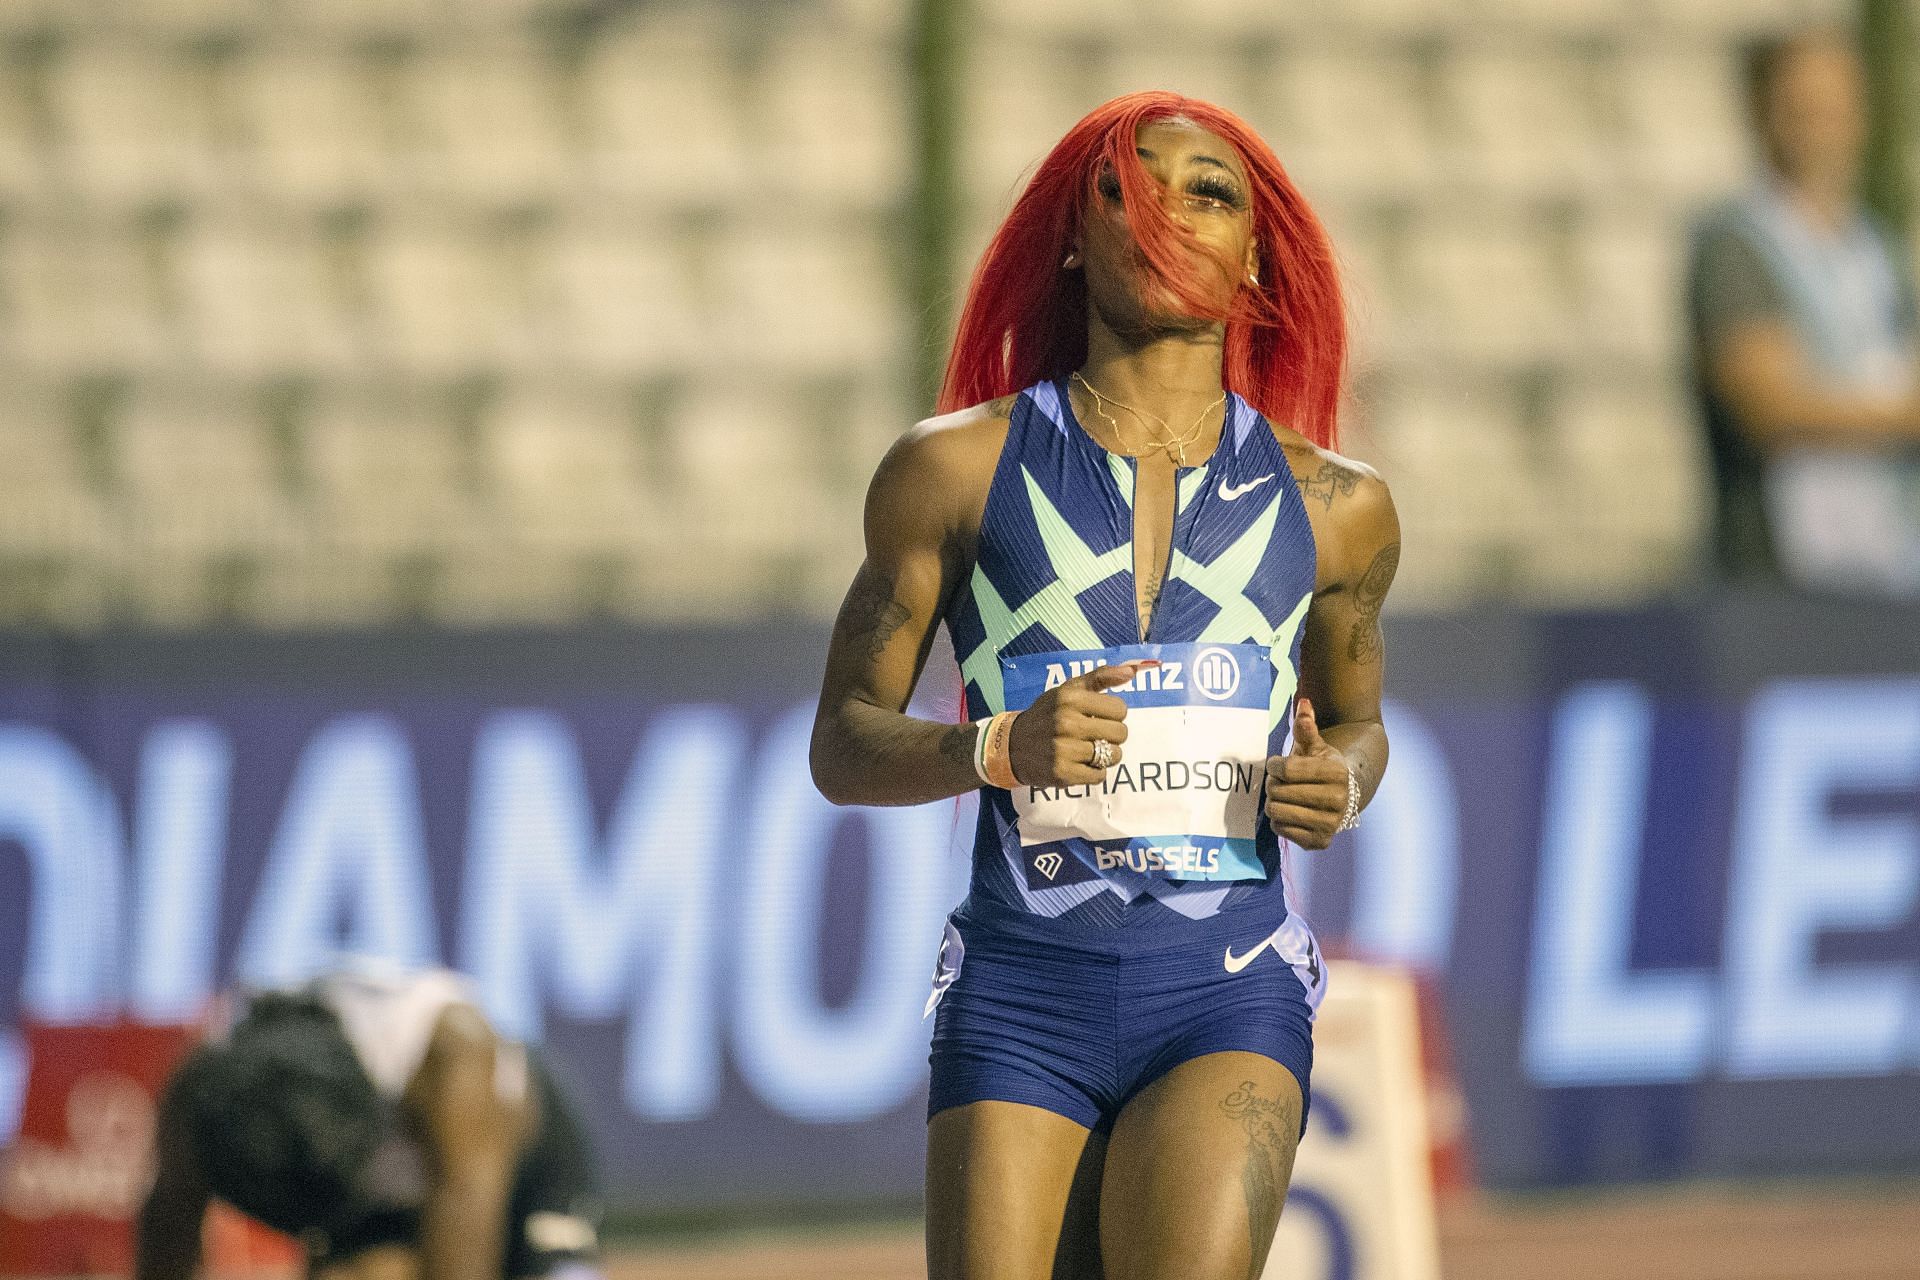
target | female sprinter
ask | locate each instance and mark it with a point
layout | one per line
(1164, 591)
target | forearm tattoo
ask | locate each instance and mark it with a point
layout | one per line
(956, 744)
(1272, 1126)
(1329, 480)
(1364, 641)
(871, 615)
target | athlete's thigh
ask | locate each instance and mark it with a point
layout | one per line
(1013, 1193)
(1197, 1170)
(385, 1262)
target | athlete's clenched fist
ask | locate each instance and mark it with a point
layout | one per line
(1053, 740)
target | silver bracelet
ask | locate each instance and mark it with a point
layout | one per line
(1351, 817)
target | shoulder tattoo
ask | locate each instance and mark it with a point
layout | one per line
(1001, 407)
(1329, 481)
(1364, 641)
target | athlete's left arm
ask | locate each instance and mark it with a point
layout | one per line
(474, 1133)
(1337, 722)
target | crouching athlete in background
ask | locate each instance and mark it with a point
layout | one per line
(376, 1117)
(1131, 521)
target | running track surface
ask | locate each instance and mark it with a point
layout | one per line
(1770, 1234)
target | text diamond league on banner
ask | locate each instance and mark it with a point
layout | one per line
(1689, 855)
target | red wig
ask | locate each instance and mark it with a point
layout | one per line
(1025, 315)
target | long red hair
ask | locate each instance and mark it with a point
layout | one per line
(1025, 315)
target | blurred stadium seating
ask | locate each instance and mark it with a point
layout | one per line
(336, 311)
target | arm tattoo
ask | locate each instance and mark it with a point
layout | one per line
(1272, 1127)
(1002, 407)
(871, 614)
(956, 744)
(1364, 642)
(1332, 478)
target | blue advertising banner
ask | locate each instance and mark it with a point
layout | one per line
(1664, 864)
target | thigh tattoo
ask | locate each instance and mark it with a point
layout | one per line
(1271, 1125)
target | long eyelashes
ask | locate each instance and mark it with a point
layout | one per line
(1220, 189)
(1207, 191)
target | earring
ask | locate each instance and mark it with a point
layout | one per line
(1071, 261)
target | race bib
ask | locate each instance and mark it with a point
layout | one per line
(1184, 802)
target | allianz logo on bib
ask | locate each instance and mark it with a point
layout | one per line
(1216, 674)
(1168, 675)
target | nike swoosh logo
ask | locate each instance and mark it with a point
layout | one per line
(1228, 492)
(1235, 963)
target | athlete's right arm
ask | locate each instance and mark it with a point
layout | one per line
(922, 511)
(866, 749)
(167, 1246)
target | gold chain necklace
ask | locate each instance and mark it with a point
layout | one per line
(1168, 443)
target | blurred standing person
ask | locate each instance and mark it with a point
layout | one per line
(1164, 590)
(1803, 319)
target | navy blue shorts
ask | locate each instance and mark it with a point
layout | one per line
(1078, 1022)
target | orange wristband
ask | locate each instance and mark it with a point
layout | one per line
(996, 754)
